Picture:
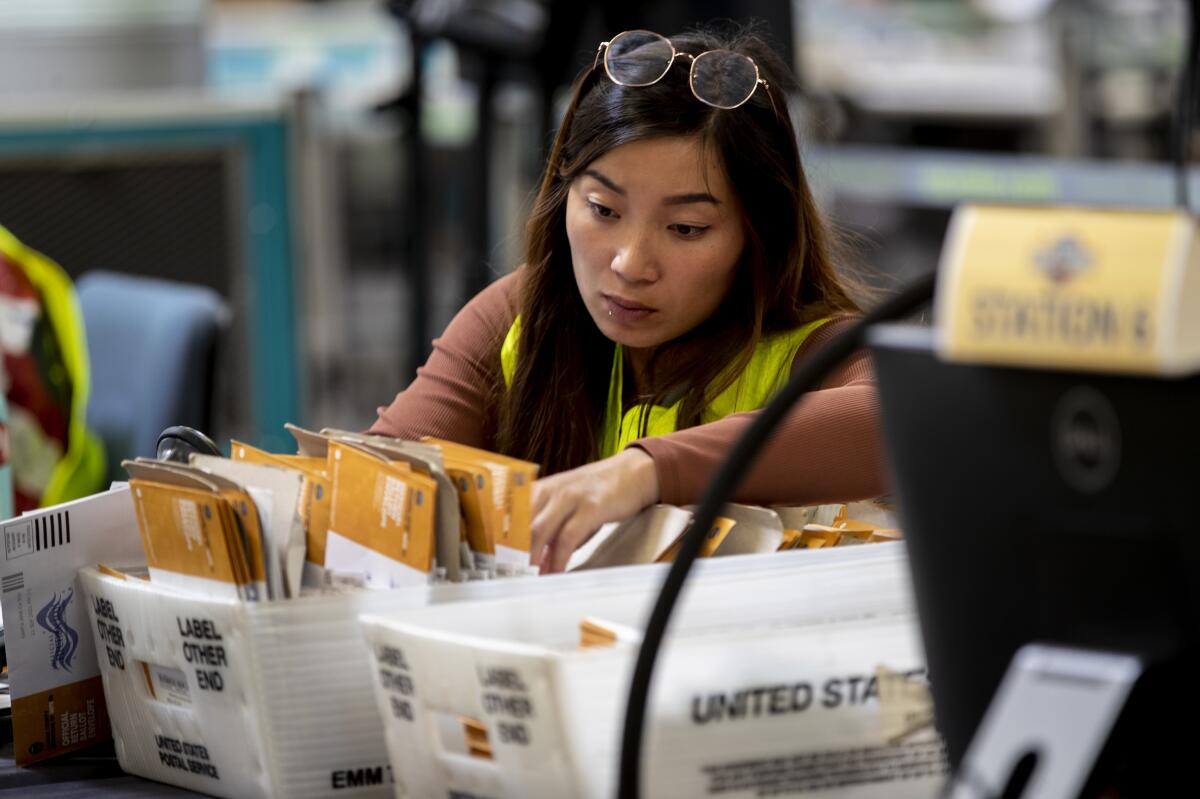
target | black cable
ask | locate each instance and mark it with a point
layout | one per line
(720, 488)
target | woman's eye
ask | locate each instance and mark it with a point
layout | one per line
(602, 211)
(689, 231)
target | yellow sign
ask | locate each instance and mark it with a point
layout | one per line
(1071, 288)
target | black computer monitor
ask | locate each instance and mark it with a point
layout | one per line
(1043, 506)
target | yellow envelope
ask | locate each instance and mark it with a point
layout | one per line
(517, 515)
(382, 505)
(315, 493)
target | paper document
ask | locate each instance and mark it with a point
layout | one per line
(57, 698)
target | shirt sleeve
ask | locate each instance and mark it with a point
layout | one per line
(454, 393)
(827, 449)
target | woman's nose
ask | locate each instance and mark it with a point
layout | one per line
(635, 260)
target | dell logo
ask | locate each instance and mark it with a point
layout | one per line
(1085, 438)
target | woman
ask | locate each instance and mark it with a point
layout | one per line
(676, 269)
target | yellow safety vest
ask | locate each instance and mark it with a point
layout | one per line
(81, 470)
(766, 374)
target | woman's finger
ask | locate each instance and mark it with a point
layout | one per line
(573, 534)
(547, 521)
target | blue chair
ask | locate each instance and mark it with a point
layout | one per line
(152, 347)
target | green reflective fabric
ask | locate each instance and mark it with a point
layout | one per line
(767, 372)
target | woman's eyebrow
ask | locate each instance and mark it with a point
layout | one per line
(674, 199)
(592, 173)
(696, 197)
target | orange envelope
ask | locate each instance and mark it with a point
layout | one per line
(516, 515)
(720, 528)
(381, 517)
(316, 492)
(476, 493)
(190, 538)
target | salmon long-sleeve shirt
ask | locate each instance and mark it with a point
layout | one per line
(827, 449)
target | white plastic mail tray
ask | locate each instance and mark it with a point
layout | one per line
(241, 699)
(769, 686)
(274, 698)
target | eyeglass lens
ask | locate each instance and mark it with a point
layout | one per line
(638, 58)
(723, 78)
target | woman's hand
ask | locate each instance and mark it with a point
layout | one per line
(570, 506)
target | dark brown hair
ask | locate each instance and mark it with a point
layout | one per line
(553, 411)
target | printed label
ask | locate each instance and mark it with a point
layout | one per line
(391, 508)
(189, 523)
(190, 757)
(1054, 287)
(201, 650)
(364, 777)
(170, 685)
(68, 717)
(396, 678)
(828, 770)
(506, 698)
(783, 698)
(18, 540)
(108, 632)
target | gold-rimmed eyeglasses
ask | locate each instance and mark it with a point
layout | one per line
(720, 78)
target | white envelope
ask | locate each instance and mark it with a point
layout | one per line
(379, 571)
(58, 702)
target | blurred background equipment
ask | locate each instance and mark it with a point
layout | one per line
(55, 46)
(344, 174)
(193, 189)
(6, 486)
(180, 443)
(921, 104)
(153, 346)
